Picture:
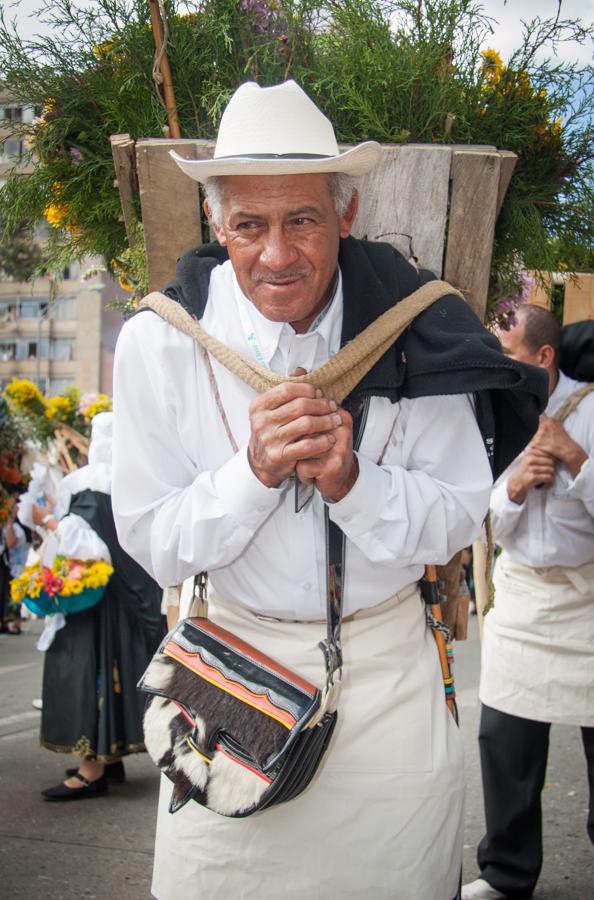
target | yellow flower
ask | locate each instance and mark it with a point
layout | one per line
(55, 213)
(60, 408)
(102, 50)
(75, 587)
(102, 403)
(125, 284)
(25, 396)
(492, 65)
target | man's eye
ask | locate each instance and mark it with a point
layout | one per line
(302, 220)
(248, 225)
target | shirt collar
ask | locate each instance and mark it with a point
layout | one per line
(265, 335)
(563, 389)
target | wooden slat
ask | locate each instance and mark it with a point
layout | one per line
(124, 160)
(508, 164)
(404, 201)
(473, 211)
(579, 298)
(170, 205)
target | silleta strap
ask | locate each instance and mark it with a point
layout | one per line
(341, 373)
(572, 402)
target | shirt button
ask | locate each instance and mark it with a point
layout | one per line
(307, 586)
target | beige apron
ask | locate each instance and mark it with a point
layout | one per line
(538, 647)
(383, 817)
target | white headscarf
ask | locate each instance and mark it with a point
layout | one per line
(96, 476)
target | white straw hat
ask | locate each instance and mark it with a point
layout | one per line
(277, 131)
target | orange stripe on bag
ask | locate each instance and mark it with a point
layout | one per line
(195, 663)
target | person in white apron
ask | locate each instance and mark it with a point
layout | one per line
(538, 649)
(203, 480)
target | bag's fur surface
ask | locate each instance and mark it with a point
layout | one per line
(223, 784)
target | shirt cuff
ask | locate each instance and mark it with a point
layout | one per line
(359, 511)
(503, 505)
(582, 486)
(242, 495)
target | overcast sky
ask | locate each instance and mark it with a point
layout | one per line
(507, 34)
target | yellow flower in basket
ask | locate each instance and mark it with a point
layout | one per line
(59, 588)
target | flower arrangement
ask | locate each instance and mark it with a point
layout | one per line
(61, 408)
(25, 397)
(92, 404)
(41, 416)
(68, 586)
(393, 71)
(6, 506)
(13, 478)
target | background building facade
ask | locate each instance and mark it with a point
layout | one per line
(57, 333)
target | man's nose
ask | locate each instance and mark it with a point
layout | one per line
(278, 252)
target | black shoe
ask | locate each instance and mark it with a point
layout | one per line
(86, 790)
(113, 772)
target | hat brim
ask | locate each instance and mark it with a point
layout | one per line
(356, 161)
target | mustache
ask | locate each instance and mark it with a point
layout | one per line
(278, 277)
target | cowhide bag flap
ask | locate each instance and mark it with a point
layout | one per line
(231, 728)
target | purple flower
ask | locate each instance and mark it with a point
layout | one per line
(75, 155)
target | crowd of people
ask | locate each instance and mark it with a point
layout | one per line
(234, 453)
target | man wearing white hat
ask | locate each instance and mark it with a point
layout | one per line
(204, 480)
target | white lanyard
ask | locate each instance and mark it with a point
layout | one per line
(250, 333)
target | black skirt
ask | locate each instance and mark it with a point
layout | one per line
(91, 706)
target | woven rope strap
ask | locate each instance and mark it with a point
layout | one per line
(572, 402)
(341, 373)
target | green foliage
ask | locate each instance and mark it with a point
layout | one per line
(392, 70)
(20, 255)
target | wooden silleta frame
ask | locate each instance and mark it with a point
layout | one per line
(434, 202)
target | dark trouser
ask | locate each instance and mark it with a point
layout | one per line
(513, 763)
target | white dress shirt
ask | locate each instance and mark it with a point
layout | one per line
(554, 526)
(185, 502)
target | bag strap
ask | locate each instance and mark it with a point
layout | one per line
(337, 377)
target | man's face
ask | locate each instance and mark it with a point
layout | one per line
(282, 235)
(512, 344)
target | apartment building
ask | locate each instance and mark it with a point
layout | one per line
(55, 332)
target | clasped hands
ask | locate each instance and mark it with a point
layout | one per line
(295, 429)
(550, 446)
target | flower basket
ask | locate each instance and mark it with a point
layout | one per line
(69, 586)
(48, 604)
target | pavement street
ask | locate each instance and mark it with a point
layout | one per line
(102, 849)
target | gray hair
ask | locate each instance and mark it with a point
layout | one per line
(342, 188)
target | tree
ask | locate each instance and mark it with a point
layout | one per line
(393, 70)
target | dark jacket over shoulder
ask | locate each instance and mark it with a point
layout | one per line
(445, 351)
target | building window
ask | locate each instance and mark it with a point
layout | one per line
(64, 308)
(8, 351)
(62, 349)
(12, 113)
(8, 312)
(13, 149)
(33, 309)
(32, 350)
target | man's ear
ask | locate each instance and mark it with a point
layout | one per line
(546, 356)
(347, 220)
(216, 229)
